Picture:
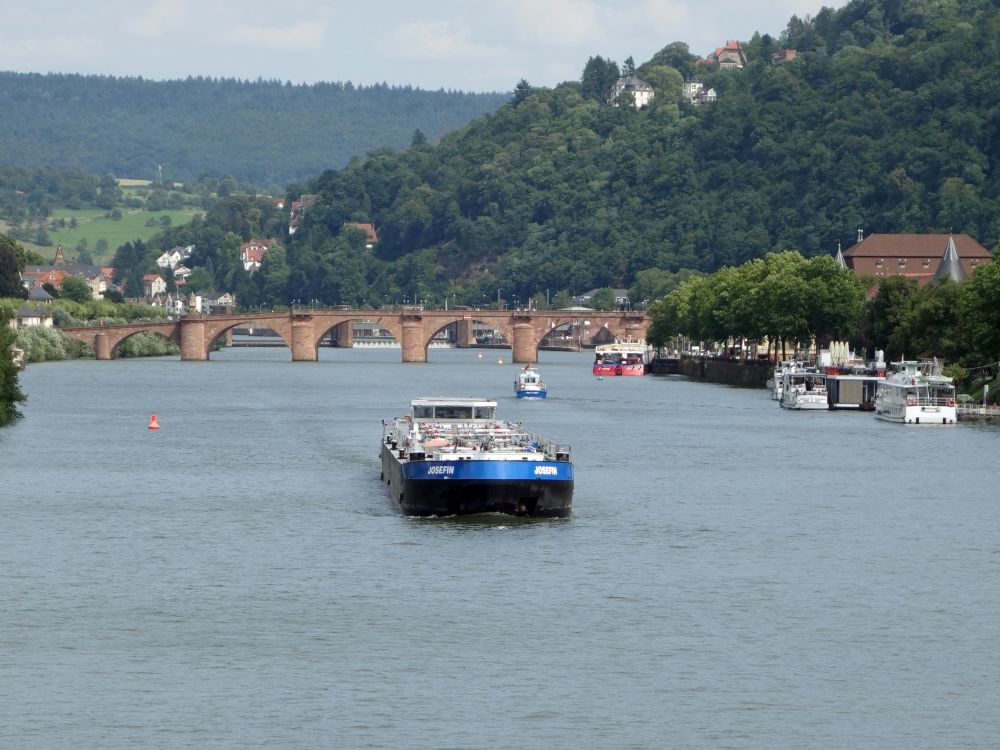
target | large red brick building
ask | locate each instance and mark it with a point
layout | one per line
(917, 256)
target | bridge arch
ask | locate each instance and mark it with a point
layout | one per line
(115, 342)
(214, 332)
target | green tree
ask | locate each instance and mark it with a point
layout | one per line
(76, 289)
(603, 299)
(888, 323)
(200, 280)
(11, 264)
(980, 313)
(599, 75)
(522, 91)
(10, 390)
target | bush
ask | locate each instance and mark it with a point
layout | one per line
(42, 344)
(147, 345)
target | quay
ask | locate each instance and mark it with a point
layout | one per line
(971, 412)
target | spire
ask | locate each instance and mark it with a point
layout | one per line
(60, 259)
(840, 256)
(950, 266)
(861, 234)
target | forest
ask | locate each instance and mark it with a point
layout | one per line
(886, 120)
(267, 133)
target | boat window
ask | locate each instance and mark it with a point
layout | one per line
(453, 412)
(423, 412)
(485, 412)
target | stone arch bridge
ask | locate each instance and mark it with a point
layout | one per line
(303, 330)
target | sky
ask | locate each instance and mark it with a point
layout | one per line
(467, 45)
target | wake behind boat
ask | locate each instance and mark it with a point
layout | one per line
(450, 456)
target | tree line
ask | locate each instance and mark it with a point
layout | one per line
(265, 132)
(791, 301)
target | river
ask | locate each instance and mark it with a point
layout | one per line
(733, 575)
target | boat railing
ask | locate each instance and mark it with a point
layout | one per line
(926, 400)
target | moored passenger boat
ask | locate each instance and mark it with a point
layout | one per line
(621, 358)
(803, 389)
(776, 382)
(916, 393)
(529, 384)
(450, 456)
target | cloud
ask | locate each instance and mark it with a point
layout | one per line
(305, 35)
(562, 23)
(433, 40)
(161, 18)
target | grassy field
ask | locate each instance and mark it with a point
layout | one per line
(92, 225)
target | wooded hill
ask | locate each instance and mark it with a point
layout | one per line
(886, 120)
(266, 133)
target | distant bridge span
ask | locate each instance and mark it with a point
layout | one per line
(304, 329)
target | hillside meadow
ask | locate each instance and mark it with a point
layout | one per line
(94, 225)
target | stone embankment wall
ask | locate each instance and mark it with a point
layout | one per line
(744, 372)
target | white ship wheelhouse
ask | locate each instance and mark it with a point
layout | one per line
(445, 409)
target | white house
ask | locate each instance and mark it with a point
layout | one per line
(153, 285)
(641, 91)
(173, 257)
(31, 316)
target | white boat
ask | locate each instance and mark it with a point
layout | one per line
(775, 383)
(916, 393)
(803, 389)
(529, 384)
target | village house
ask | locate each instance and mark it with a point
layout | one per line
(916, 256)
(298, 209)
(98, 279)
(173, 257)
(173, 303)
(371, 236)
(153, 285)
(252, 253)
(211, 303)
(641, 91)
(696, 93)
(28, 315)
(732, 55)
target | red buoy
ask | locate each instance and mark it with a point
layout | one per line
(153, 424)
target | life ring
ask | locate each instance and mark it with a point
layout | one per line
(911, 402)
(951, 402)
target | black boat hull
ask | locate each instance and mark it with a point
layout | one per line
(479, 489)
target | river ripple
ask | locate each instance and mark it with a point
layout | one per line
(733, 575)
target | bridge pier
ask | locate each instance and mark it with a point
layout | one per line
(102, 349)
(465, 336)
(303, 342)
(345, 334)
(413, 344)
(523, 348)
(193, 347)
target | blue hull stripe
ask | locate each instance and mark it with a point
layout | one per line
(553, 471)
